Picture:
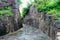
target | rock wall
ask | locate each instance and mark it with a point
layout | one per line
(10, 22)
(41, 21)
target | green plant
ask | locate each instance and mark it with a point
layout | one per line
(25, 10)
(51, 7)
(19, 2)
(7, 12)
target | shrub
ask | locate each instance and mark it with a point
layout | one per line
(51, 7)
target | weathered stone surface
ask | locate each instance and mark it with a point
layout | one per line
(41, 21)
(57, 24)
(10, 22)
(2, 29)
(27, 33)
(32, 18)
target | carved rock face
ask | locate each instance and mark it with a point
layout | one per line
(10, 22)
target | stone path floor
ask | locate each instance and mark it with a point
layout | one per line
(26, 33)
(58, 35)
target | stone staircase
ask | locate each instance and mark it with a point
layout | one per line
(58, 36)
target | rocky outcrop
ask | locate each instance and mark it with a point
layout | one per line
(41, 21)
(10, 22)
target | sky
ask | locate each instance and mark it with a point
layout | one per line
(24, 4)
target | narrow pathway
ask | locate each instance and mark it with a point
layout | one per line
(58, 35)
(26, 33)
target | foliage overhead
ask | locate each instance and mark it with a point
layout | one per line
(25, 10)
(19, 2)
(51, 7)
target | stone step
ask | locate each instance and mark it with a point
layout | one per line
(58, 35)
